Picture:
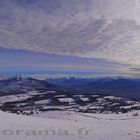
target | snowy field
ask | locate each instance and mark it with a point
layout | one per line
(67, 125)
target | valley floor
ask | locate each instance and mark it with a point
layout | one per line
(66, 125)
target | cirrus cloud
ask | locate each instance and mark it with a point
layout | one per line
(85, 28)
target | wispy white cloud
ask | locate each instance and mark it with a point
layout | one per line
(90, 28)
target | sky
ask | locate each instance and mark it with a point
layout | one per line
(81, 37)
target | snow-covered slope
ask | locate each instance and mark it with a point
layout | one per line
(70, 126)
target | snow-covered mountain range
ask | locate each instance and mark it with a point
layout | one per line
(23, 94)
(119, 86)
(18, 85)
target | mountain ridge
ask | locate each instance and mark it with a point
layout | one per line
(20, 84)
(124, 87)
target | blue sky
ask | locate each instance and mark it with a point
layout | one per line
(23, 60)
(69, 36)
(13, 61)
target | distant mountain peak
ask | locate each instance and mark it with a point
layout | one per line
(20, 84)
